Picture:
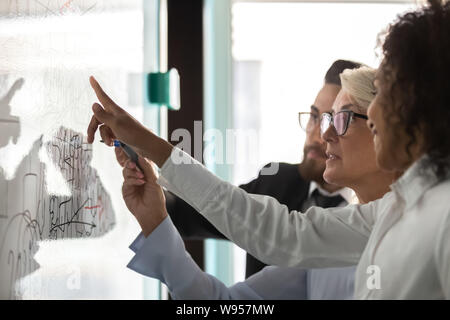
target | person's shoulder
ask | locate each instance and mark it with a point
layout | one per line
(437, 193)
(437, 198)
(441, 188)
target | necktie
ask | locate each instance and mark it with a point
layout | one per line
(324, 201)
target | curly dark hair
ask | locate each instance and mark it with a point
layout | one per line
(415, 70)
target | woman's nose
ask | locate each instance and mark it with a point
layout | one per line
(330, 134)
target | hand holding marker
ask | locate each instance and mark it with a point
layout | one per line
(129, 152)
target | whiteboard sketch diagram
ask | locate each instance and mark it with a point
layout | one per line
(39, 216)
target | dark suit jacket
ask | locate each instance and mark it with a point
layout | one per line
(287, 186)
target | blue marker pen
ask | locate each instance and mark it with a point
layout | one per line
(129, 151)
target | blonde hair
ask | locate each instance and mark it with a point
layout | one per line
(359, 85)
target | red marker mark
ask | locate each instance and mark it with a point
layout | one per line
(94, 207)
(102, 209)
(66, 5)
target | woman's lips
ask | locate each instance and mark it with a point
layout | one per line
(332, 156)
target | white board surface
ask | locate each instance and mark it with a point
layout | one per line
(64, 228)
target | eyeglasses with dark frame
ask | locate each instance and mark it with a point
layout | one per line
(340, 121)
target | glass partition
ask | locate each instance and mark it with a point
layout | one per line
(64, 228)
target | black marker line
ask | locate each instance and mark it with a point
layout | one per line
(91, 7)
(46, 7)
(75, 222)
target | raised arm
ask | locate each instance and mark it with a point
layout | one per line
(162, 256)
(259, 224)
(160, 251)
(190, 224)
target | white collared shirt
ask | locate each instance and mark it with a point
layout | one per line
(401, 242)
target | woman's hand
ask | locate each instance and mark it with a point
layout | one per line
(143, 196)
(121, 157)
(116, 123)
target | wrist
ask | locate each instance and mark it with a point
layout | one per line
(158, 150)
(149, 222)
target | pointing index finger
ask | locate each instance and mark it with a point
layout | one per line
(104, 99)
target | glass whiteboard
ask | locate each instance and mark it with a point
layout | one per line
(64, 228)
